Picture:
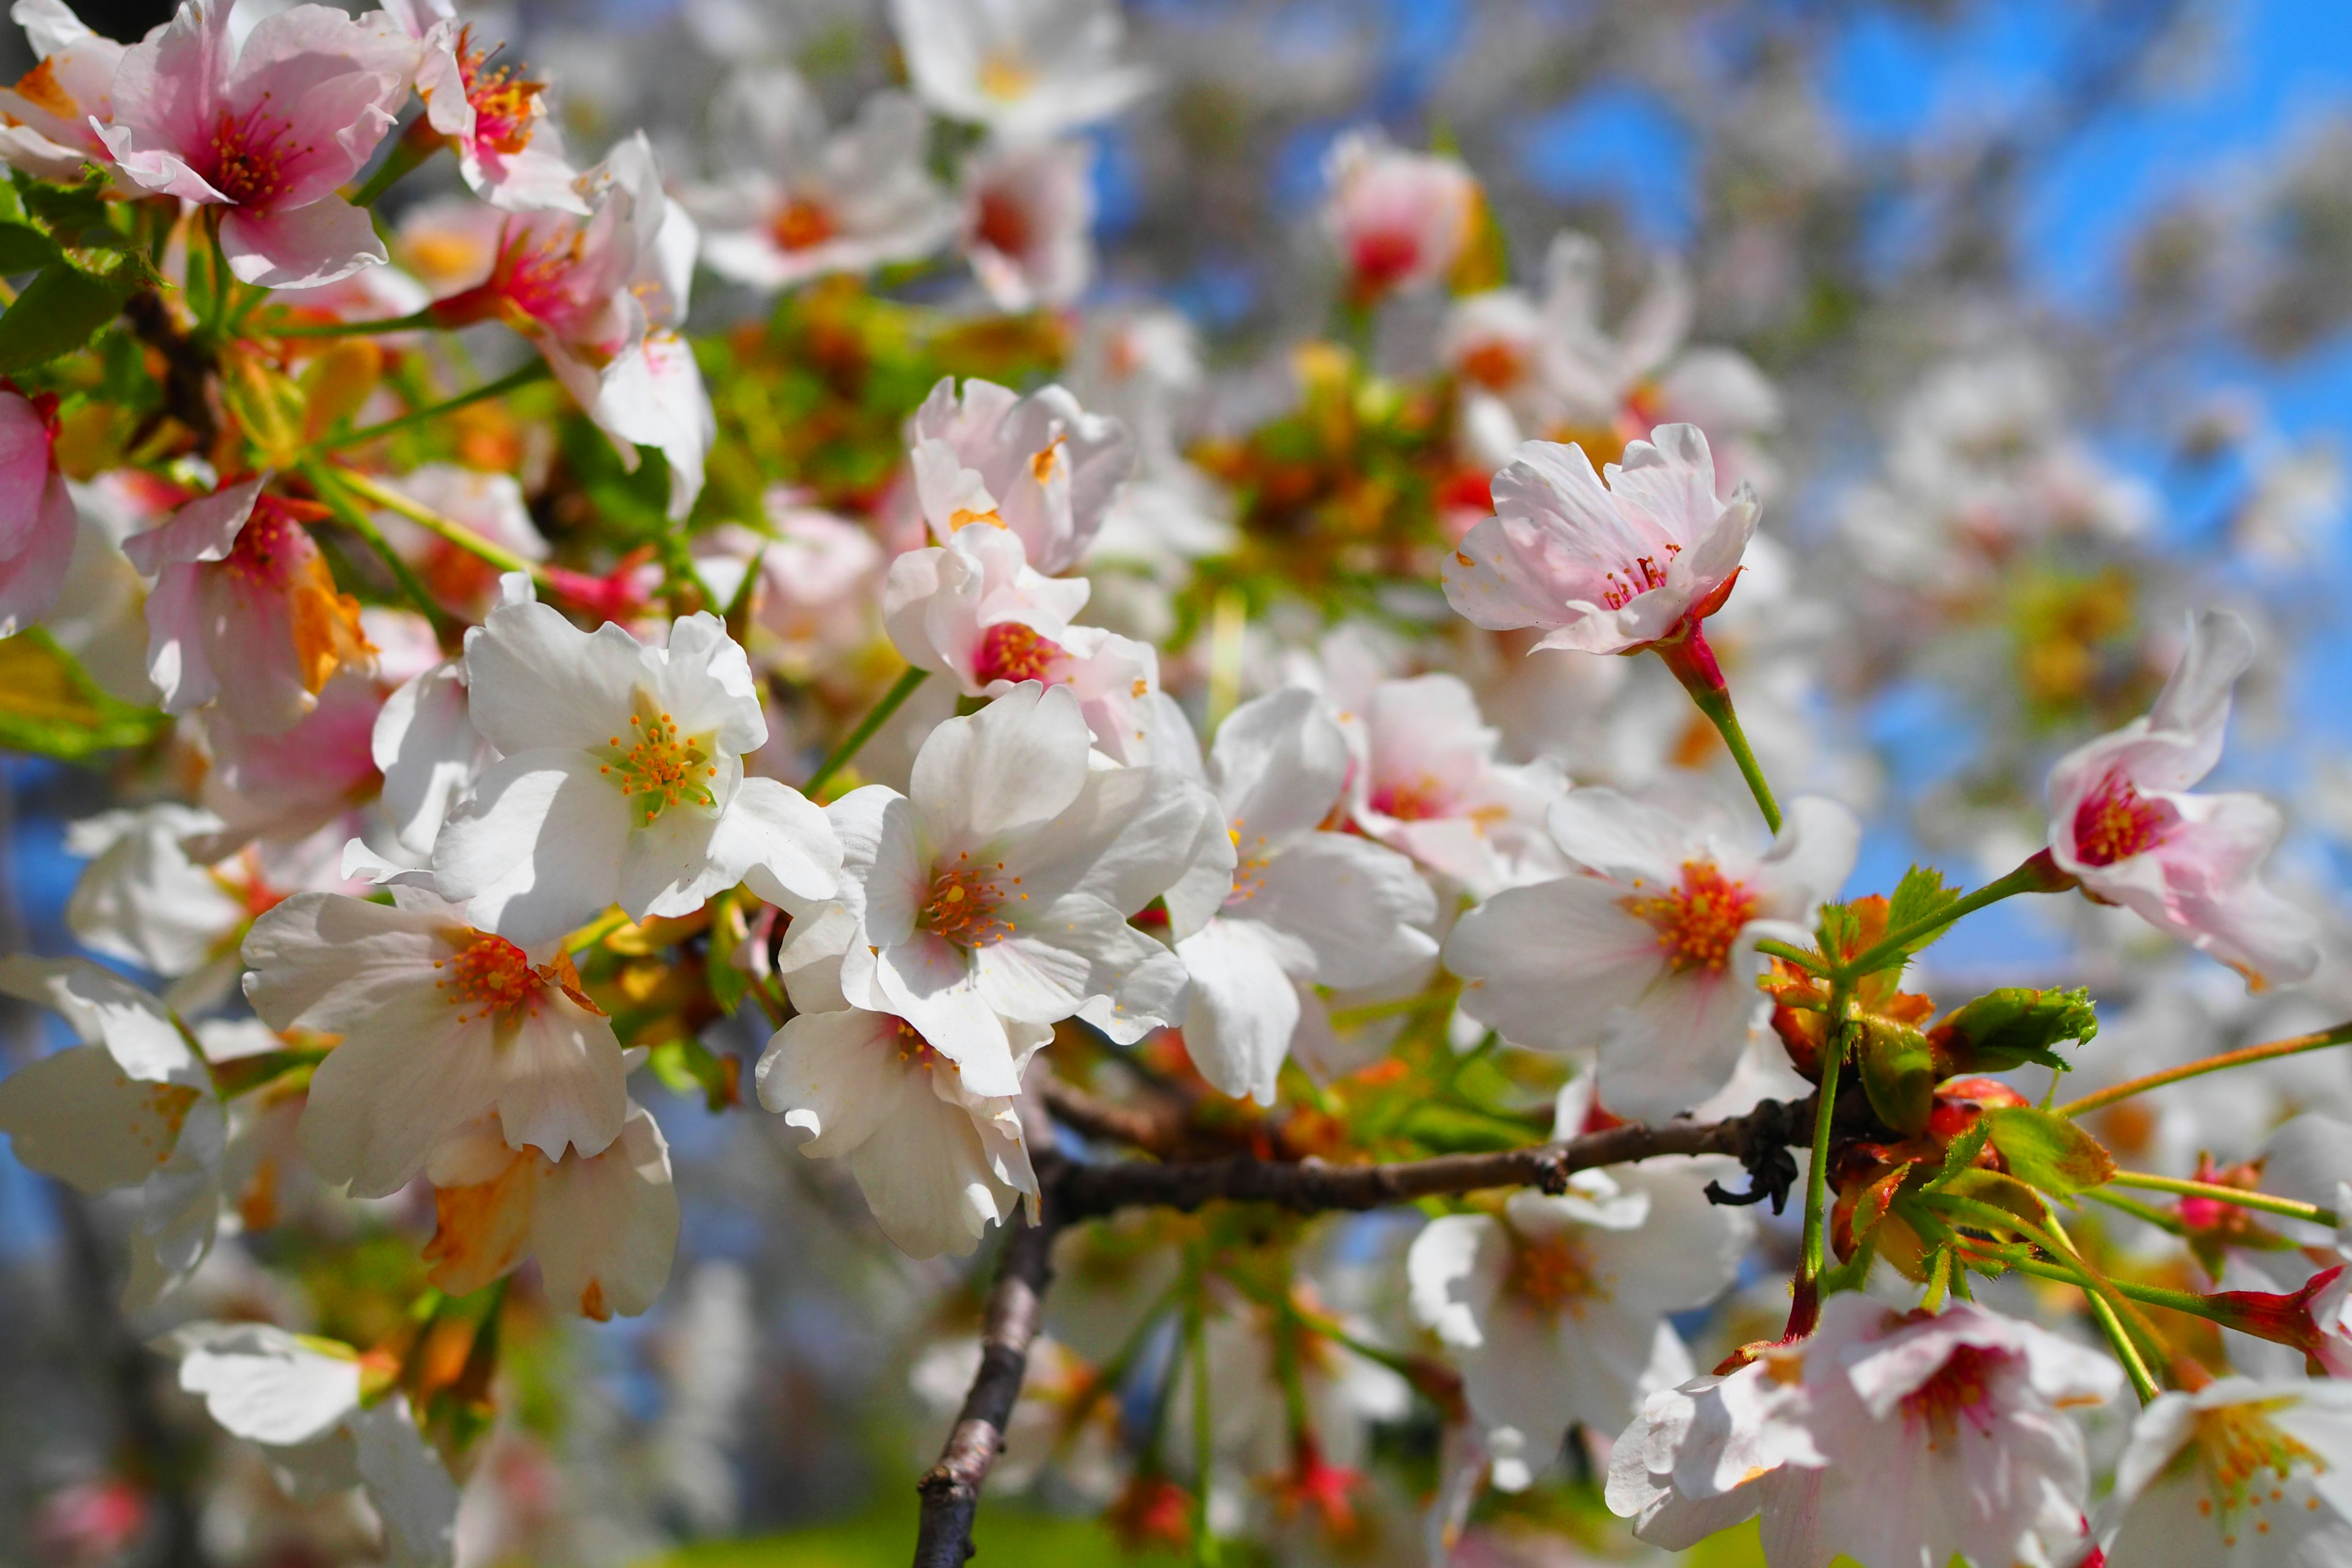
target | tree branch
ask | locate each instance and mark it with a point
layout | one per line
(1016, 1304)
(1073, 1191)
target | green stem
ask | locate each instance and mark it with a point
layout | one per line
(1811, 963)
(2138, 1211)
(2340, 1035)
(409, 322)
(2037, 875)
(2070, 1267)
(1196, 1346)
(2289, 1209)
(523, 376)
(855, 741)
(1373, 1012)
(1806, 1308)
(1719, 712)
(410, 151)
(425, 516)
(358, 522)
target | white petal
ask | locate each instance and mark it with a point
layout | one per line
(1244, 1008)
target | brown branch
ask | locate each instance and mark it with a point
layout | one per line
(187, 371)
(1157, 1130)
(1074, 1190)
(1016, 1304)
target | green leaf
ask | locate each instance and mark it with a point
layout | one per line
(1840, 929)
(1920, 895)
(2048, 1152)
(1992, 1187)
(50, 707)
(688, 1066)
(1962, 1154)
(1898, 1073)
(23, 248)
(65, 209)
(2009, 1027)
(60, 309)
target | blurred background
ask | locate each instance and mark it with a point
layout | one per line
(2109, 241)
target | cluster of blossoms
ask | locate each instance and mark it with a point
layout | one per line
(1116, 837)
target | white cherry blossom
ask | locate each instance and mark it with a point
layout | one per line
(997, 890)
(1900, 1439)
(1301, 908)
(1022, 67)
(1555, 1310)
(1427, 782)
(620, 780)
(2240, 1474)
(1028, 222)
(602, 1224)
(307, 1402)
(1648, 953)
(132, 1106)
(438, 1023)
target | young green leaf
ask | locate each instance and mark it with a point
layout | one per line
(50, 707)
(60, 309)
(2048, 1152)
(1920, 895)
(2009, 1027)
(23, 248)
(1898, 1072)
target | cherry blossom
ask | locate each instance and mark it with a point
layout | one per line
(1302, 907)
(1897, 1438)
(244, 611)
(972, 609)
(1608, 563)
(1028, 222)
(1555, 1310)
(602, 297)
(1427, 782)
(1022, 67)
(1401, 219)
(2122, 821)
(266, 129)
(815, 595)
(1648, 953)
(996, 891)
(1039, 466)
(142, 899)
(132, 1106)
(51, 110)
(508, 145)
(439, 1022)
(937, 1162)
(603, 1223)
(620, 779)
(2239, 1473)
(805, 203)
(309, 1402)
(38, 521)
(489, 504)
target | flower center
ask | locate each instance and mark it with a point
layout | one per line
(1551, 1276)
(1006, 76)
(1961, 1386)
(1698, 922)
(964, 903)
(501, 101)
(801, 224)
(2118, 822)
(660, 768)
(1010, 651)
(489, 973)
(1638, 575)
(915, 1050)
(2247, 1460)
(1004, 223)
(273, 553)
(269, 548)
(1383, 256)
(247, 157)
(1416, 799)
(1497, 365)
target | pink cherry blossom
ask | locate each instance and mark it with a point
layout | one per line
(267, 132)
(1028, 222)
(37, 520)
(1601, 567)
(972, 609)
(2121, 820)
(1040, 466)
(601, 296)
(49, 134)
(507, 146)
(244, 610)
(1400, 219)
(1427, 782)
